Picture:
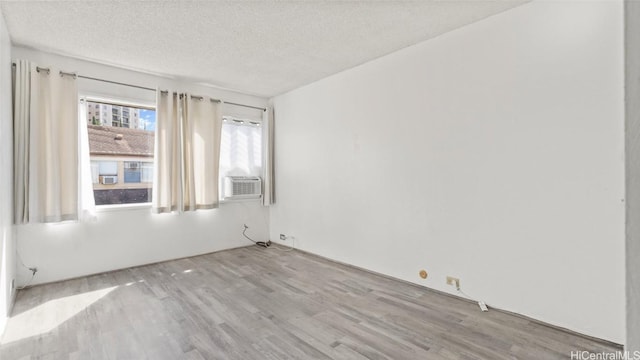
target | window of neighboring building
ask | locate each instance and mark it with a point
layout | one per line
(103, 168)
(107, 168)
(138, 171)
(146, 172)
(240, 148)
(132, 171)
(121, 157)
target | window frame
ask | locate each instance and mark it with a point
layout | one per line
(116, 101)
(89, 96)
(260, 124)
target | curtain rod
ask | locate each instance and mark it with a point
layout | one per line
(38, 69)
(198, 97)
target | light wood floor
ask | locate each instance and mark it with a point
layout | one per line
(252, 303)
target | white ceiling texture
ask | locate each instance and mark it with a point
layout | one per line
(257, 47)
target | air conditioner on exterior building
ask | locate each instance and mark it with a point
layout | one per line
(108, 180)
(242, 187)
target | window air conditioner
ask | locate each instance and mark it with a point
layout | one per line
(108, 180)
(242, 187)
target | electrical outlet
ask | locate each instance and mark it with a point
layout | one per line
(453, 281)
(283, 237)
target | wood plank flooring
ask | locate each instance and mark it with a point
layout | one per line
(255, 303)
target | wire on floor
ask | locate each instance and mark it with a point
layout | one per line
(264, 244)
(33, 270)
(33, 275)
(481, 303)
(267, 243)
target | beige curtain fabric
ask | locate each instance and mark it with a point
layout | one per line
(268, 196)
(187, 153)
(167, 172)
(45, 145)
(201, 126)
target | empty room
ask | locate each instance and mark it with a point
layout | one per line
(435, 179)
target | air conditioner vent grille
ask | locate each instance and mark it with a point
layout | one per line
(108, 180)
(242, 187)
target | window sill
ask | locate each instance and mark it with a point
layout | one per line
(122, 207)
(126, 207)
(231, 201)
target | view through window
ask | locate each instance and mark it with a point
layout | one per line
(121, 140)
(240, 149)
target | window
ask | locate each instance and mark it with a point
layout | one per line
(138, 172)
(121, 157)
(131, 171)
(103, 168)
(146, 172)
(240, 149)
(107, 168)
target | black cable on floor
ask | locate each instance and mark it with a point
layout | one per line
(259, 243)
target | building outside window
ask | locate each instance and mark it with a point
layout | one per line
(121, 156)
(119, 115)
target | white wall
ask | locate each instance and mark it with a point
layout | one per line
(632, 115)
(7, 238)
(133, 237)
(493, 153)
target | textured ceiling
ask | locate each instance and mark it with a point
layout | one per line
(257, 47)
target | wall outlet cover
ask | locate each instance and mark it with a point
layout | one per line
(483, 306)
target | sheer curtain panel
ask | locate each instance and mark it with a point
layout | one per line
(45, 145)
(87, 203)
(187, 153)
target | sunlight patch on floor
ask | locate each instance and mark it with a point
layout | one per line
(48, 316)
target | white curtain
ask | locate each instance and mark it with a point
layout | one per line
(45, 145)
(269, 196)
(187, 152)
(87, 203)
(166, 196)
(241, 149)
